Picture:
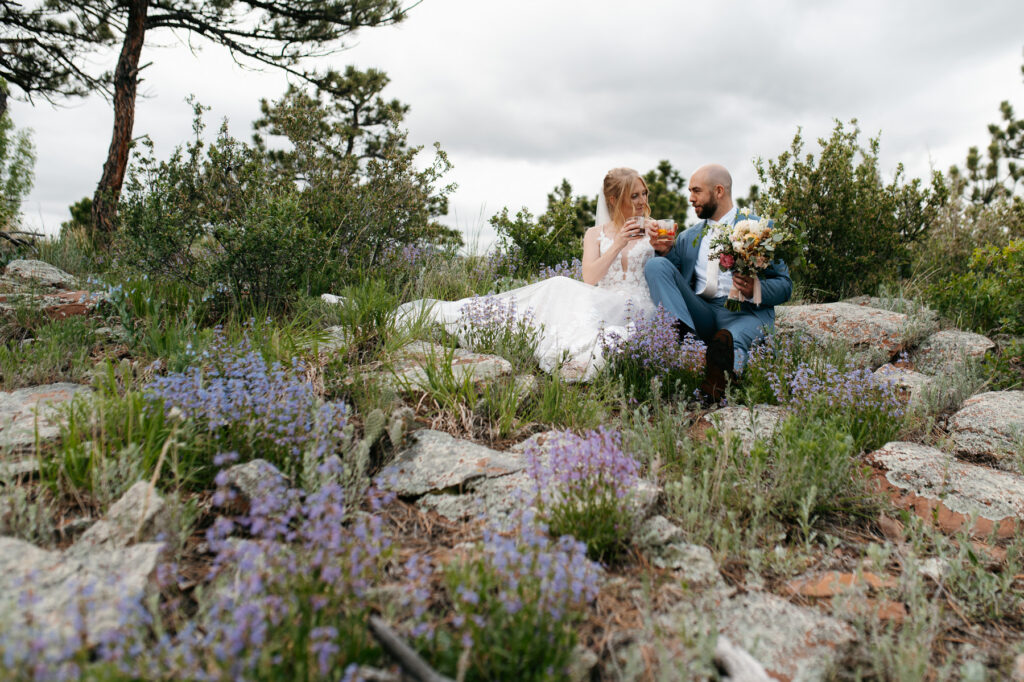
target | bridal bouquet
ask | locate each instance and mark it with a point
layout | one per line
(748, 247)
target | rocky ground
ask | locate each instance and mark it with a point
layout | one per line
(967, 480)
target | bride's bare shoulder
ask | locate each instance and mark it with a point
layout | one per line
(596, 231)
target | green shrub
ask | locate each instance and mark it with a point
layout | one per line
(17, 158)
(988, 296)
(555, 235)
(857, 228)
(228, 219)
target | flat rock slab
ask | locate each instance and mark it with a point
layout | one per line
(942, 489)
(409, 364)
(861, 327)
(438, 462)
(61, 584)
(945, 350)
(38, 272)
(792, 642)
(19, 411)
(990, 426)
(749, 423)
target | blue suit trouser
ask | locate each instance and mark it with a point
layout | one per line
(673, 293)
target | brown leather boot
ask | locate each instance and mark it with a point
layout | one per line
(718, 366)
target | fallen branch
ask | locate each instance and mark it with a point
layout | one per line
(404, 655)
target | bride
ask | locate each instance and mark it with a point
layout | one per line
(571, 316)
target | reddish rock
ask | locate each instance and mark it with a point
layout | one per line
(947, 492)
(866, 329)
(831, 583)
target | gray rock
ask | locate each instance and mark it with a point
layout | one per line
(17, 470)
(140, 515)
(38, 272)
(943, 351)
(912, 384)
(792, 642)
(990, 426)
(335, 339)
(247, 479)
(438, 462)
(19, 411)
(882, 333)
(663, 542)
(749, 423)
(63, 585)
(408, 365)
(938, 485)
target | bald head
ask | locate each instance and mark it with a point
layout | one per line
(711, 191)
(715, 174)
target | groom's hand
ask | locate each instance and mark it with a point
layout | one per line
(744, 284)
(660, 243)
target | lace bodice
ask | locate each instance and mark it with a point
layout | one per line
(626, 271)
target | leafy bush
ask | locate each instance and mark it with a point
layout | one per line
(17, 158)
(225, 217)
(584, 485)
(553, 237)
(988, 296)
(857, 228)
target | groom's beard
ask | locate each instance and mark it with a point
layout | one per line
(707, 211)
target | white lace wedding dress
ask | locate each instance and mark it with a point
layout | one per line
(570, 315)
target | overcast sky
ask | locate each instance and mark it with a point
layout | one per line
(522, 94)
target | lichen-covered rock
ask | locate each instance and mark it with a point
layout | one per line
(409, 364)
(912, 384)
(25, 410)
(40, 273)
(943, 351)
(940, 488)
(438, 462)
(65, 586)
(748, 423)
(990, 426)
(873, 332)
(248, 479)
(139, 515)
(792, 642)
(663, 542)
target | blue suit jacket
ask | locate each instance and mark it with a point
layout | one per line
(776, 285)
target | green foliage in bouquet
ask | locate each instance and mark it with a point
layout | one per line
(856, 226)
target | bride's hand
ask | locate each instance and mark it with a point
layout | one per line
(628, 233)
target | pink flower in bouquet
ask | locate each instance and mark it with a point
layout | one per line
(726, 260)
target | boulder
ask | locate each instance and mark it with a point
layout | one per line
(748, 423)
(408, 365)
(792, 642)
(40, 273)
(437, 462)
(945, 350)
(990, 427)
(912, 384)
(664, 544)
(871, 332)
(248, 479)
(140, 515)
(63, 594)
(25, 410)
(942, 489)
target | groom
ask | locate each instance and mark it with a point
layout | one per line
(693, 289)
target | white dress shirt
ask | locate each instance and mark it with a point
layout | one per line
(701, 266)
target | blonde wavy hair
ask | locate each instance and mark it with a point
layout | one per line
(618, 185)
